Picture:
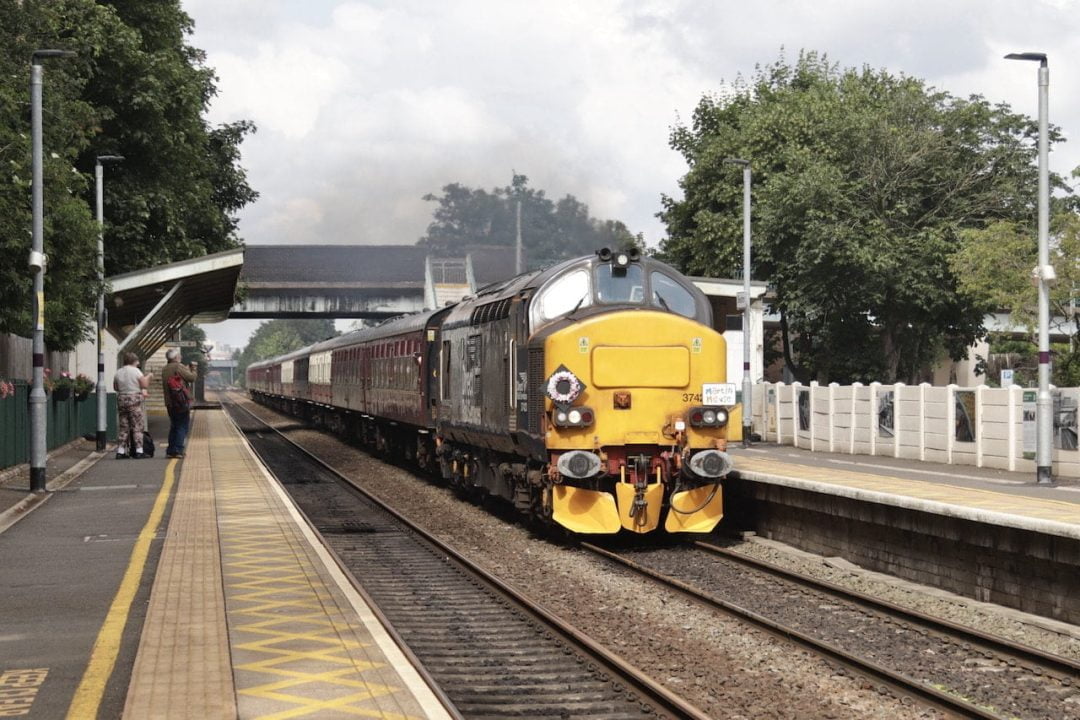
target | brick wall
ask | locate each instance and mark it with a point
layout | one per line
(1033, 572)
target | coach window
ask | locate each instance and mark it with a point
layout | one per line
(670, 295)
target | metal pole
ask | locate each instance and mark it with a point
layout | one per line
(519, 259)
(747, 384)
(38, 451)
(1044, 404)
(37, 263)
(102, 401)
(1044, 426)
(102, 396)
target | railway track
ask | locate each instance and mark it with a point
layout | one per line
(491, 651)
(956, 669)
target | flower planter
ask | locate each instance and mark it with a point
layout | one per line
(61, 394)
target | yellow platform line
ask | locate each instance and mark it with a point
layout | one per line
(1024, 506)
(87, 699)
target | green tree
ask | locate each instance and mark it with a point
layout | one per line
(862, 182)
(994, 265)
(134, 89)
(67, 126)
(277, 337)
(177, 192)
(550, 231)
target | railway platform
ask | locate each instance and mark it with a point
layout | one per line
(191, 588)
(979, 494)
(985, 534)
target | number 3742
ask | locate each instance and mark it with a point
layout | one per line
(691, 397)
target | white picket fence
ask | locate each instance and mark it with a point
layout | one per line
(980, 426)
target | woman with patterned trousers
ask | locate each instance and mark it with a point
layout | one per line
(129, 383)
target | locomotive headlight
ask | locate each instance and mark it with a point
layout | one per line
(574, 416)
(708, 417)
(710, 464)
(622, 260)
(579, 464)
(560, 418)
(721, 417)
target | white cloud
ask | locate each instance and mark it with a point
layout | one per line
(363, 107)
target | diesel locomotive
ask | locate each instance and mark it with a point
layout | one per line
(591, 394)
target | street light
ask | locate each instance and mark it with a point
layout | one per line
(37, 264)
(1044, 405)
(102, 398)
(748, 406)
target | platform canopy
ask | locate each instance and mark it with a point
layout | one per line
(146, 307)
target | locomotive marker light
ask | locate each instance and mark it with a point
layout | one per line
(1044, 404)
(37, 264)
(748, 406)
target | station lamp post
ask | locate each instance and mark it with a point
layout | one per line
(1044, 271)
(102, 398)
(747, 386)
(37, 264)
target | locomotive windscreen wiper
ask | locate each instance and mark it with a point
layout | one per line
(578, 305)
(663, 302)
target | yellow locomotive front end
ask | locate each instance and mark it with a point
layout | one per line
(637, 420)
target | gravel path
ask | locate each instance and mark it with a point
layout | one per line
(728, 670)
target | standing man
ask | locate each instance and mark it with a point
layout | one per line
(178, 401)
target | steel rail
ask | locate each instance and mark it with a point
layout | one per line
(1018, 651)
(644, 686)
(899, 684)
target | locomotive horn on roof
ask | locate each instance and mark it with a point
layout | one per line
(604, 254)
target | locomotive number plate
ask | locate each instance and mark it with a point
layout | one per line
(718, 393)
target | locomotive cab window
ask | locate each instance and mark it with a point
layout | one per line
(620, 285)
(670, 295)
(568, 292)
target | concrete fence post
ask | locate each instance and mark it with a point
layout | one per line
(795, 387)
(896, 418)
(1012, 394)
(950, 421)
(874, 388)
(922, 420)
(832, 416)
(979, 423)
(851, 429)
(776, 409)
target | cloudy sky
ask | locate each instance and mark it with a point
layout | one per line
(364, 107)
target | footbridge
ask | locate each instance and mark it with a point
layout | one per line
(146, 307)
(360, 281)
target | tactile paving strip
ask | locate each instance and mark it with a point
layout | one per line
(298, 648)
(182, 669)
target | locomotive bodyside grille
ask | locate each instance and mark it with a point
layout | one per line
(536, 385)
